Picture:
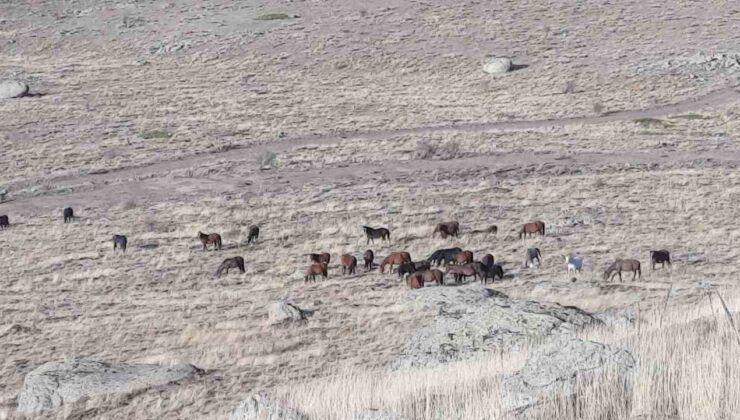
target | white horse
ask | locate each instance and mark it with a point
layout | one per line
(574, 263)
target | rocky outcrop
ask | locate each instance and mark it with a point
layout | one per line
(284, 312)
(54, 384)
(497, 66)
(12, 89)
(471, 320)
(554, 368)
(259, 407)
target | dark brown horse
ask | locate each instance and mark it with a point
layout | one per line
(120, 241)
(415, 281)
(69, 215)
(254, 234)
(487, 260)
(397, 258)
(623, 265)
(532, 228)
(461, 271)
(429, 276)
(210, 238)
(533, 254)
(369, 257)
(660, 257)
(314, 270)
(446, 229)
(348, 263)
(379, 233)
(324, 257)
(492, 272)
(4, 222)
(464, 257)
(233, 262)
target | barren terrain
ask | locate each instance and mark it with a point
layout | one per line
(158, 120)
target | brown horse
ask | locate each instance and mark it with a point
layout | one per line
(430, 276)
(233, 262)
(446, 229)
(4, 222)
(379, 233)
(464, 257)
(369, 257)
(461, 271)
(324, 257)
(349, 263)
(532, 228)
(660, 257)
(210, 238)
(254, 234)
(395, 258)
(415, 281)
(314, 270)
(623, 265)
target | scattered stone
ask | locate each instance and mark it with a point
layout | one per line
(54, 384)
(12, 89)
(552, 369)
(375, 414)
(281, 312)
(497, 66)
(259, 407)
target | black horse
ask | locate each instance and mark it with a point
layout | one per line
(4, 222)
(233, 262)
(69, 214)
(444, 256)
(254, 234)
(379, 233)
(120, 241)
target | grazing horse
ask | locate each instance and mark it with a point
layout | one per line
(324, 257)
(574, 263)
(4, 222)
(69, 214)
(415, 281)
(120, 241)
(465, 257)
(254, 234)
(495, 270)
(349, 263)
(487, 260)
(623, 265)
(314, 270)
(369, 257)
(660, 257)
(210, 238)
(532, 255)
(532, 228)
(447, 229)
(379, 233)
(444, 256)
(430, 276)
(461, 271)
(233, 262)
(397, 258)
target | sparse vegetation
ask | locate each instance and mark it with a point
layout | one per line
(274, 16)
(690, 116)
(598, 108)
(653, 123)
(266, 160)
(155, 134)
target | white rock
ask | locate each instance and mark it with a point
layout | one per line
(259, 407)
(12, 89)
(279, 312)
(497, 66)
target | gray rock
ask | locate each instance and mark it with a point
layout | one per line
(471, 320)
(497, 66)
(282, 312)
(12, 89)
(552, 370)
(259, 407)
(375, 414)
(54, 384)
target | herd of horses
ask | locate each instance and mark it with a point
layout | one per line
(456, 262)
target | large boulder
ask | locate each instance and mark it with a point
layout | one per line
(259, 407)
(283, 312)
(471, 320)
(497, 66)
(554, 368)
(12, 89)
(54, 384)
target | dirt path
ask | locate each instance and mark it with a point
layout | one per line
(121, 185)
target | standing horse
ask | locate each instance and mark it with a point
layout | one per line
(369, 257)
(380, 233)
(660, 257)
(233, 262)
(397, 258)
(487, 260)
(532, 228)
(69, 214)
(324, 257)
(314, 270)
(210, 238)
(119, 241)
(492, 272)
(532, 255)
(254, 234)
(444, 256)
(623, 265)
(446, 229)
(4, 222)
(465, 257)
(349, 263)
